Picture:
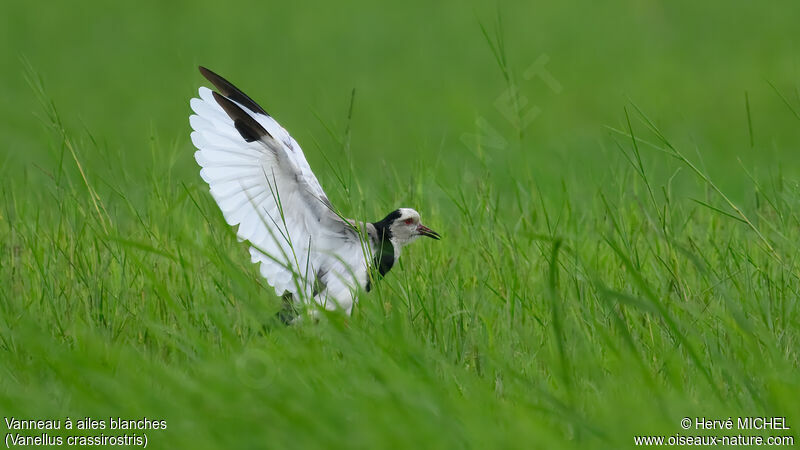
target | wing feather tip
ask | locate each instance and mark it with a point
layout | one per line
(229, 90)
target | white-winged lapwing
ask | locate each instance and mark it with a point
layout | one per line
(262, 182)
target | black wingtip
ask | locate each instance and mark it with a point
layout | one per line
(229, 90)
(245, 124)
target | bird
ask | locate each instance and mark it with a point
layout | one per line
(259, 177)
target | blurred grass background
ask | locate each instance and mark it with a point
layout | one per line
(131, 296)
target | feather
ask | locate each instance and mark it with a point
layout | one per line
(229, 90)
(244, 123)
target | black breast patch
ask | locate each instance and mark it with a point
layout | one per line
(383, 259)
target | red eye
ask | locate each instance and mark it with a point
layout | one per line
(409, 221)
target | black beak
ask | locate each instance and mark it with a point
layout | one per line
(425, 231)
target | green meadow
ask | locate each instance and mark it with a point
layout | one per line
(616, 183)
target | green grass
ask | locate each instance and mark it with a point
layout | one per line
(625, 259)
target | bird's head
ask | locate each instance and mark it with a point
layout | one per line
(405, 227)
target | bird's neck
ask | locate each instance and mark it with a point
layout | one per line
(385, 251)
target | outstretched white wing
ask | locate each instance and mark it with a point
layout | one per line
(262, 182)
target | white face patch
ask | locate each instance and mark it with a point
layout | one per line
(404, 228)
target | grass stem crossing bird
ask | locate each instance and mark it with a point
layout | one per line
(259, 177)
